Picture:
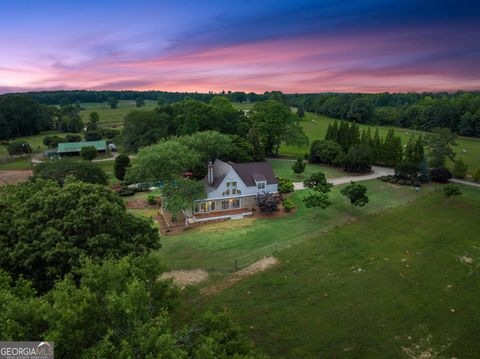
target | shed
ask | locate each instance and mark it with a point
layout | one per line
(75, 147)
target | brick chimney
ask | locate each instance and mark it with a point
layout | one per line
(210, 178)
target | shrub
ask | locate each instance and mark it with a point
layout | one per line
(73, 138)
(18, 148)
(288, 205)
(325, 151)
(408, 182)
(417, 184)
(126, 192)
(122, 162)
(405, 170)
(401, 182)
(299, 166)
(358, 159)
(88, 153)
(285, 185)
(476, 176)
(93, 135)
(151, 199)
(460, 169)
(267, 202)
(52, 141)
(451, 190)
(440, 174)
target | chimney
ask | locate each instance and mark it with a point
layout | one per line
(210, 173)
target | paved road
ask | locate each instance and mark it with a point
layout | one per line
(377, 172)
(468, 183)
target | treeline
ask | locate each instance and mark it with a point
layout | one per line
(261, 132)
(77, 96)
(460, 111)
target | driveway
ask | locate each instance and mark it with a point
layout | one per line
(377, 171)
(468, 183)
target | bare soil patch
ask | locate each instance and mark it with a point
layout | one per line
(257, 267)
(14, 176)
(140, 204)
(183, 278)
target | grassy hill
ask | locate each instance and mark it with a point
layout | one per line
(397, 280)
(315, 127)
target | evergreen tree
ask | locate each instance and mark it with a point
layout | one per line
(460, 169)
(377, 148)
(392, 151)
(423, 171)
(343, 135)
(366, 138)
(354, 135)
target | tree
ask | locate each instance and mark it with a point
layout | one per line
(299, 166)
(88, 153)
(122, 162)
(113, 102)
(53, 141)
(392, 151)
(73, 138)
(162, 161)
(21, 116)
(361, 110)
(46, 229)
(93, 135)
(440, 174)
(377, 148)
(315, 199)
(285, 186)
(274, 123)
(460, 169)
(118, 309)
(92, 124)
(16, 148)
(423, 171)
(59, 170)
(358, 159)
(414, 150)
(356, 193)
(208, 145)
(300, 112)
(451, 190)
(179, 195)
(139, 102)
(439, 144)
(326, 151)
(476, 176)
(406, 170)
(318, 182)
(144, 128)
(332, 132)
(267, 202)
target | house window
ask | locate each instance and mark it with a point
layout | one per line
(231, 184)
(236, 203)
(261, 185)
(224, 205)
(236, 191)
(196, 208)
(212, 206)
(226, 193)
(207, 207)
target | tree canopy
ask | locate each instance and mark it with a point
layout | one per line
(59, 170)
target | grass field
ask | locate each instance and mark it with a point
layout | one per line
(398, 280)
(113, 117)
(17, 164)
(35, 141)
(283, 168)
(315, 127)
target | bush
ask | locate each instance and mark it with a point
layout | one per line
(285, 185)
(401, 182)
(73, 138)
(288, 205)
(122, 162)
(299, 166)
(325, 151)
(451, 190)
(358, 159)
(18, 148)
(416, 184)
(126, 192)
(267, 202)
(476, 176)
(460, 169)
(93, 135)
(440, 174)
(151, 199)
(88, 153)
(52, 141)
(406, 170)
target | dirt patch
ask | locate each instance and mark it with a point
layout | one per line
(183, 278)
(140, 204)
(257, 267)
(14, 176)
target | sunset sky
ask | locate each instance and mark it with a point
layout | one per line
(292, 46)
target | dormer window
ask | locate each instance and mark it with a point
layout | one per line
(261, 185)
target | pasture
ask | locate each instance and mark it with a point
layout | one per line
(283, 168)
(315, 127)
(113, 117)
(398, 279)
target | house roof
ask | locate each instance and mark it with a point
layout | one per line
(252, 172)
(77, 146)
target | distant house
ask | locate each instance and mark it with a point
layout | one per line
(73, 148)
(232, 185)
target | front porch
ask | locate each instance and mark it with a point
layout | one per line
(217, 216)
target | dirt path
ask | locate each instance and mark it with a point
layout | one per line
(377, 172)
(257, 267)
(14, 176)
(183, 278)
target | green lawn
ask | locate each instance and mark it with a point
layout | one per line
(113, 117)
(283, 168)
(35, 141)
(216, 246)
(402, 283)
(315, 127)
(17, 164)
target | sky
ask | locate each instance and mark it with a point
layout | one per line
(295, 46)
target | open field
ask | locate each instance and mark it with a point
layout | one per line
(113, 117)
(35, 141)
(398, 280)
(283, 168)
(315, 127)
